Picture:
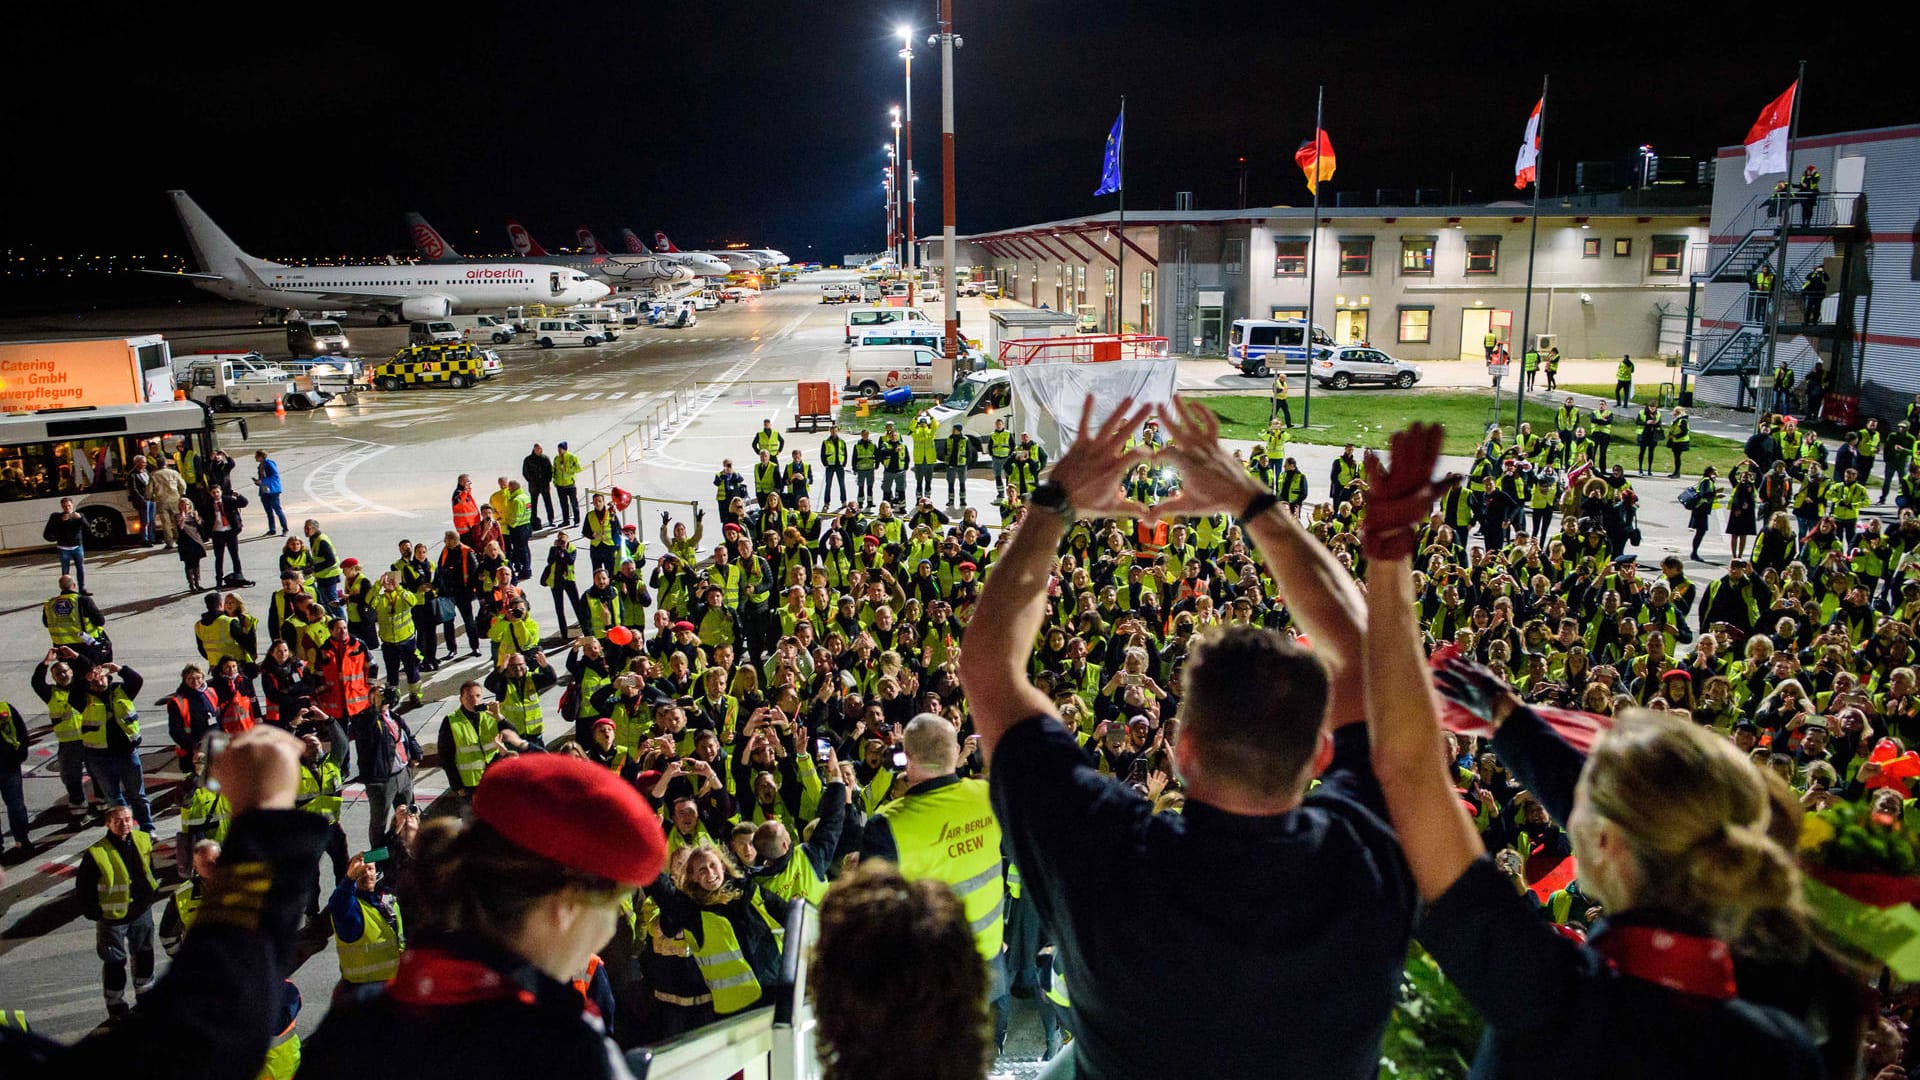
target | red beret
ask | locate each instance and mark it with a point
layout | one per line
(575, 813)
(605, 722)
(1676, 673)
(349, 562)
(685, 625)
(872, 540)
(730, 527)
(968, 566)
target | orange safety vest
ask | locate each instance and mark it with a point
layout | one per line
(237, 714)
(179, 701)
(1151, 536)
(594, 963)
(466, 512)
(346, 692)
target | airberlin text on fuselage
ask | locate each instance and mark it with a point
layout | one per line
(476, 275)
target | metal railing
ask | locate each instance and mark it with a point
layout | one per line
(642, 436)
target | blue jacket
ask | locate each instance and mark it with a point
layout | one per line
(269, 478)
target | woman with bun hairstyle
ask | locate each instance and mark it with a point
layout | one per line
(1669, 826)
(502, 914)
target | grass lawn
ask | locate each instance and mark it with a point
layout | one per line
(851, 424)
(1644, 393)
(1368, 417)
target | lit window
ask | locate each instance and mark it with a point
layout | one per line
(1416, 325)
(1416, 255)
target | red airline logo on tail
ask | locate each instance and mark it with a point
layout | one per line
(634, 246)
(590, 242)
(523, 241)
(428, 241)
(660, 241)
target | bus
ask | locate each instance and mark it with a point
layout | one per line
(84, 453)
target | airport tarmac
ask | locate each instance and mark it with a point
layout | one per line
(383, 469)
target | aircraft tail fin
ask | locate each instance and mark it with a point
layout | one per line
(523, 241)
(212, 247)
(428, 241)
(634, 246)
(590, 242)
(661, 242)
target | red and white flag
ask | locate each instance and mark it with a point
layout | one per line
(1767, 142)
(1526, 166)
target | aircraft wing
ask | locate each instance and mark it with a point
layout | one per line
(186, 274)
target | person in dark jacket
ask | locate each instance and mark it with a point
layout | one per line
(66, 530)
(219, 510)
(213, 1014)
(13, 755)
(710, 891)
(503, 913)
(537, 470)
(387, 752)
(108, 704)
(120, 907)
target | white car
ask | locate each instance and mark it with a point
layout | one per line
(739, 293)
(552, 332)
(1345, 365)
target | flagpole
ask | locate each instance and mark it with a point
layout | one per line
(1120, 270)
(1533, 237)
(1313, 265)
(1785, 208)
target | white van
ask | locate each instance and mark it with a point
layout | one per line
(437, 332)
(975, 403)
(1252, 343)
(865, 317)
(603, 319)
(879, 368)
(315, 337)
(552, 332)
(484, 327)
(928, 335)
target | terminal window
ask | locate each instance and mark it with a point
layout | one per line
(1356, 255)
(1668, 254)
(1416, 325)
(1290, 256)
(1590, 248)
(1483, 254)
(1416, 255)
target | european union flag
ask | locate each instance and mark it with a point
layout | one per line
(1110, 161)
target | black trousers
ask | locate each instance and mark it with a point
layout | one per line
(569, 504)
(116, 943)
(536, 496)
(834, 472)
(225, 545)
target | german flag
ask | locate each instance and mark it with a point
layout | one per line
(1315, 158)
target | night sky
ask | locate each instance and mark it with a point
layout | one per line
(310, 129)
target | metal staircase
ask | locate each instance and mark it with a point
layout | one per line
(1734, 342)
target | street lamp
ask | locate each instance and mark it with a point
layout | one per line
(906, 54)
(895, 156)
(948, 41)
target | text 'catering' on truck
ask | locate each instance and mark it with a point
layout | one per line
(70, 372)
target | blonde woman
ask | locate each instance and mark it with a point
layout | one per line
(1668, 824)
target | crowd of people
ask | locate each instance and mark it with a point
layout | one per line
(779, 698)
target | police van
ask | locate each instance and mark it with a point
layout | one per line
(925, 334)
(1252, 344)
(457, 366)
(866, 318)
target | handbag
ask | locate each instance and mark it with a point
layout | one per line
(443, 609)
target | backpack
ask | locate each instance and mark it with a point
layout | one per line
(1690, 498)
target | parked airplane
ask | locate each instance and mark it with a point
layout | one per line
(406, 291)
(737, 261)
(615, 269)
(698, 261)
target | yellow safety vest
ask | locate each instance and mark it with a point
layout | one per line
(520, 707)
(66, 721)
(566, 468)
(394, 612)
(319, 790)
(950, 834)
(798, 880)
(116, 878)
(186, 904)
(730, 979)
(376, 955)
(206, 809)
(14, 1018)
(283, 1057)
(729, 581)
(213, 638)
(93, 718)
(471, 743)
(65, 624)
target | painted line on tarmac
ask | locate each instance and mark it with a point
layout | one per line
(327, 484)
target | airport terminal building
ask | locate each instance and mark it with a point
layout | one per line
(1424, 283)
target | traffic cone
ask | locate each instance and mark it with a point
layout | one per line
(280, 407)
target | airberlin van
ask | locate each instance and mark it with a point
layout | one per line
(879, 368)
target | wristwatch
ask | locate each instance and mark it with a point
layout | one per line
(1052, 498)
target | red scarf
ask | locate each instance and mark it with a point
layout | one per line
(432, 977)
(1699, 966)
